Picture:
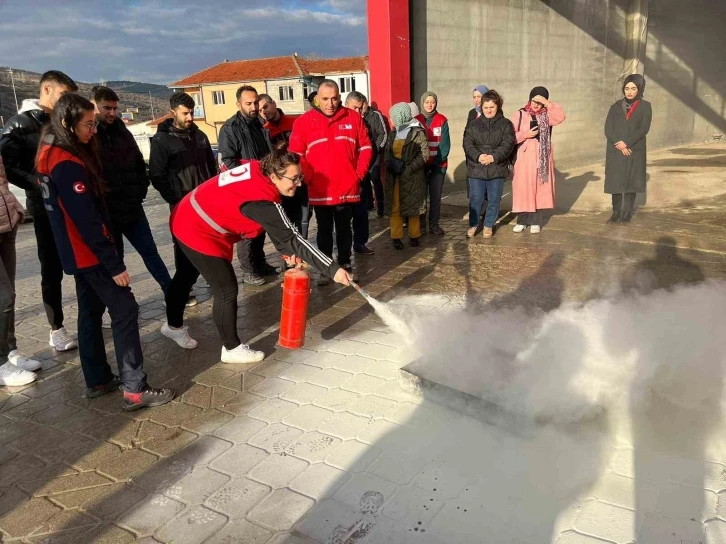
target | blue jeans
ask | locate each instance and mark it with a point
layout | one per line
(139, 234)
(480, 190)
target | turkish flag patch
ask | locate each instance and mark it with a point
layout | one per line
(79, 187)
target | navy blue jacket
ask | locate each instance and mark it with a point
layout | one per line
(80, 224)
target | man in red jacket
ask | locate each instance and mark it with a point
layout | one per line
(336, 152)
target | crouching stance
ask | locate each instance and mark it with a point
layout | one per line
(209, 221)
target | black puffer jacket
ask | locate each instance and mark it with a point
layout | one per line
(124, 171)
(180, 160)
(494, 137)
(18, 146)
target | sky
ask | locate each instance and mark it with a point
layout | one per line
(161, 41)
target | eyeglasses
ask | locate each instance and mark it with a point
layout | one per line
(92, 125)
(298, 180)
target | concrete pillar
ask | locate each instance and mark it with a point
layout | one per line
(389, 52)
(636, 35)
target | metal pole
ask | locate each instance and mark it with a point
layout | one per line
(12, 80)
(152, 106)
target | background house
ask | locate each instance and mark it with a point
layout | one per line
(289, 80)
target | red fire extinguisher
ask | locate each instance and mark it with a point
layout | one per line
(295, 297)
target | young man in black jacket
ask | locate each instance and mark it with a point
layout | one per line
(181, 159)
(244, 137)
(18, 146)
(124, 172)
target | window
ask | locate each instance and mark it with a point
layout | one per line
(286, 93)
(346, 84)
(218, 98)
(306, 90)
(198, 106)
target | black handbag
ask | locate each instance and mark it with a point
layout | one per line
(396, 166)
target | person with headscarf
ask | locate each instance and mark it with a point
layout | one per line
(533, 183)
(414, 109)
(437, 132)
(477, 93)
(407, 152)
(626, 128)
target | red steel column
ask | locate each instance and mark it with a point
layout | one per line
(389, 52)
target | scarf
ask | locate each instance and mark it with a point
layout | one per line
(423, 99)
(545, 143)
(400, 115)
(483, 89)
(630, 107)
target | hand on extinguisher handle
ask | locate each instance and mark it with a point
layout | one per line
(293, 261)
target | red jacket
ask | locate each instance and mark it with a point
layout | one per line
(336, 153)
(209, 219)
(281, 129)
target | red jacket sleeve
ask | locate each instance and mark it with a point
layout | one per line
(298, 144)
(365, 149)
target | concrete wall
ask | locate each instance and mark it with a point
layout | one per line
(575, 48)
(295, 106)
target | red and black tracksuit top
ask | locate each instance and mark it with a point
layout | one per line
(78, 218)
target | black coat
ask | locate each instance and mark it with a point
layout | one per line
(494, 137)
(180, 160)
(378, 133)
(124, 171)
(18, 146)
(236, 141)
(626, 174)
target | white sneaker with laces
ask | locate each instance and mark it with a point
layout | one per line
(519, 228)
(21, 361)
(180, 336)
(242, 354)
(106, 320)
(61, 340)
(535, 229)
(13, 376)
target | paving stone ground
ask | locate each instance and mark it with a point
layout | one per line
(321, 445)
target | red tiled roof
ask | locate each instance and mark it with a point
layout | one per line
(334, 66)
(272, 68)
(160, 120)
(243, 70)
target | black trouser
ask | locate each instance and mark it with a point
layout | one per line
(530, 218)
(298, 210)
(97, 291)
(177, 295)
(624, 202)
(222, 280)
(339, 217)
(361, 230)
(51, 270)
(251, 253)
(377, 186)
(435, 187)
(8, 263)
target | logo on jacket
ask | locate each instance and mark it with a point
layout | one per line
(79, 187)
(345, 127)
(437, 131)
(238, 173)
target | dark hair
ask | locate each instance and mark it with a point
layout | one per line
(266, 97)
(357, 96)
(99, 92)
(59, 78)
(181, 99)
(492, 96)
(278, 160)
(70, 109)
(311, 97)
(245, 88)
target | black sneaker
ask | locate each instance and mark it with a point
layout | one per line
(267, 270)
(614, 218)
(414, 242)
(625, 218)
(150, 397)
(435, 229)
(252, 278)
(191, 301)
(110, 387)
(397, 244)
(363, 250)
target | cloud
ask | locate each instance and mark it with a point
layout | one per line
(156, 42)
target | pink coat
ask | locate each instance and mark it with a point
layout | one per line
(528, 195)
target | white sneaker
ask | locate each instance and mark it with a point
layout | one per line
(471, 232)
(14, 376)
(106, 320)
(180, 336)
(535, 229)
(241, 354)
(61, 340)
(519, 228)
(192, 301)
(21, 361)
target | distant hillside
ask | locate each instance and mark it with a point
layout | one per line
(131, 94)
